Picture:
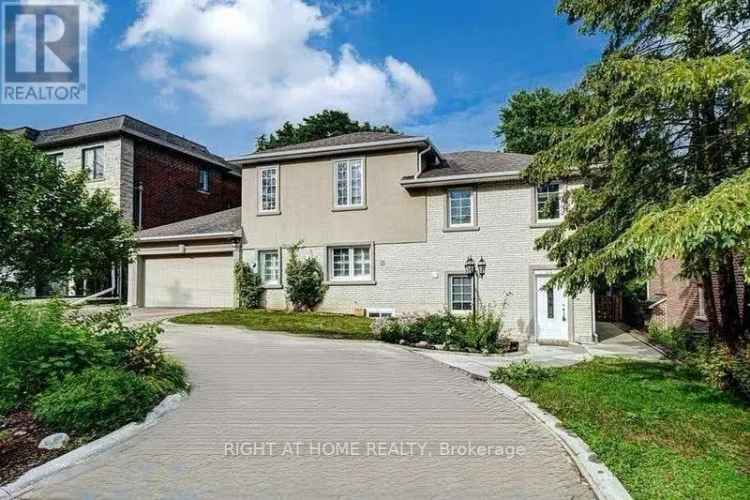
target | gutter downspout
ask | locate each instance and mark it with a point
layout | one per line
(140, 206)
(419, 163)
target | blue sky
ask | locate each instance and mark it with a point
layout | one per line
(221, 72)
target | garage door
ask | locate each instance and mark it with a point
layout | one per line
(198, 281)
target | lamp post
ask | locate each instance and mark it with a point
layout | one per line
(475, 271)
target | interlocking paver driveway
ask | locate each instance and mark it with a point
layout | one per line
(258, 387)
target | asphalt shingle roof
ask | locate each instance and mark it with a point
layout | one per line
(219, 222)
(478, 162)
(341, 140)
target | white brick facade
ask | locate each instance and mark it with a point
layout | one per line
(412, 277)
(118, 169)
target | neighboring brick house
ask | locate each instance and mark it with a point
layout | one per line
(392, 221)
(155, 177)
(680, 302)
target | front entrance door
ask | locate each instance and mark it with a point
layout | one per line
(551, 312)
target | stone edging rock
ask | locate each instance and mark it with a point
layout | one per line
(603, 482)
(30, 478)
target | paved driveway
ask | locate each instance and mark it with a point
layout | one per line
(371, 420)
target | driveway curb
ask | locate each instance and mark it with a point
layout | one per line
(44, 471)
(602, 481)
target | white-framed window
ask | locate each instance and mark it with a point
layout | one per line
(204, 180)
(349, 183)
(350, 264)
(549, 202)
(700, 313)
(460, 292)
(380, 313)
(461, 207)
(56, 158)
(268, 189)
(269, 263)
(93, 162)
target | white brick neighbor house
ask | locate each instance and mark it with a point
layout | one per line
(391, 220)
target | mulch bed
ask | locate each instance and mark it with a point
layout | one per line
(19, 437)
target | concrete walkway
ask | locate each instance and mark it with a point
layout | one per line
(371, 420)
(615, 341)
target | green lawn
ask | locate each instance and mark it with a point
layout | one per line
(661, 431)
(324, 325)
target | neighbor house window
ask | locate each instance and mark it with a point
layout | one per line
(461, 207)
(460, 292)
(701, 312)
(268, 190)
(349, 183)
(548, 204)
(57, 159)
(350, 264)
(93, 162)
(204, 180)
(270, 267)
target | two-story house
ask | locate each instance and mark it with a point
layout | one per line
(155, 177)
(392, 221)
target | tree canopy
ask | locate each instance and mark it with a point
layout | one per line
(327, 123)
(51, 226)
(661, 141)
(530, 119)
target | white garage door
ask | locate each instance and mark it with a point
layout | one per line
(197, 281)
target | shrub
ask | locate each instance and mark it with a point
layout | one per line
(723, 369)
(520, 372)
(96, 400)
(38, 347)
(680, 342)
(249, 287)
(304, 279)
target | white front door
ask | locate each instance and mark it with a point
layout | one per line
(551, 312)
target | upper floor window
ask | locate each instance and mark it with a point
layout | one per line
(268, 190)
(461, 207)
(548, 202)
(204, 180)
(270, 267)
(93, 162)
(350, 264)
(56, 158)
(349, 183)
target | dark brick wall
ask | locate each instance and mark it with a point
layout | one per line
(170, 186)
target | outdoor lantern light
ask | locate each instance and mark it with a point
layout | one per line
(482, 267)
(469, 266)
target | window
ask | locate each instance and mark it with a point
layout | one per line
(460, 292)
(93, 162)
(349, 183)
(550, 303)
(460, 207)
(548, 206)
(268, 190)
(270, 267)
(350, 264)
(56, 158)
(204, 180)
(701, 312)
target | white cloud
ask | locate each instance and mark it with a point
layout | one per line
(253, 60)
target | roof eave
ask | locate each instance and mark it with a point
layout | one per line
(191, 237)
(261, 158)
(449, 180)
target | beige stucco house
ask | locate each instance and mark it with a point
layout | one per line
(392, 221)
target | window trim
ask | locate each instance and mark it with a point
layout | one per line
(351, 280)
(535, 220)
(473, 225)
(90, 175)
(449, 292)
(259, 185)
(208, 180)
(335, 207)
(258, 258)
(57, 158)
